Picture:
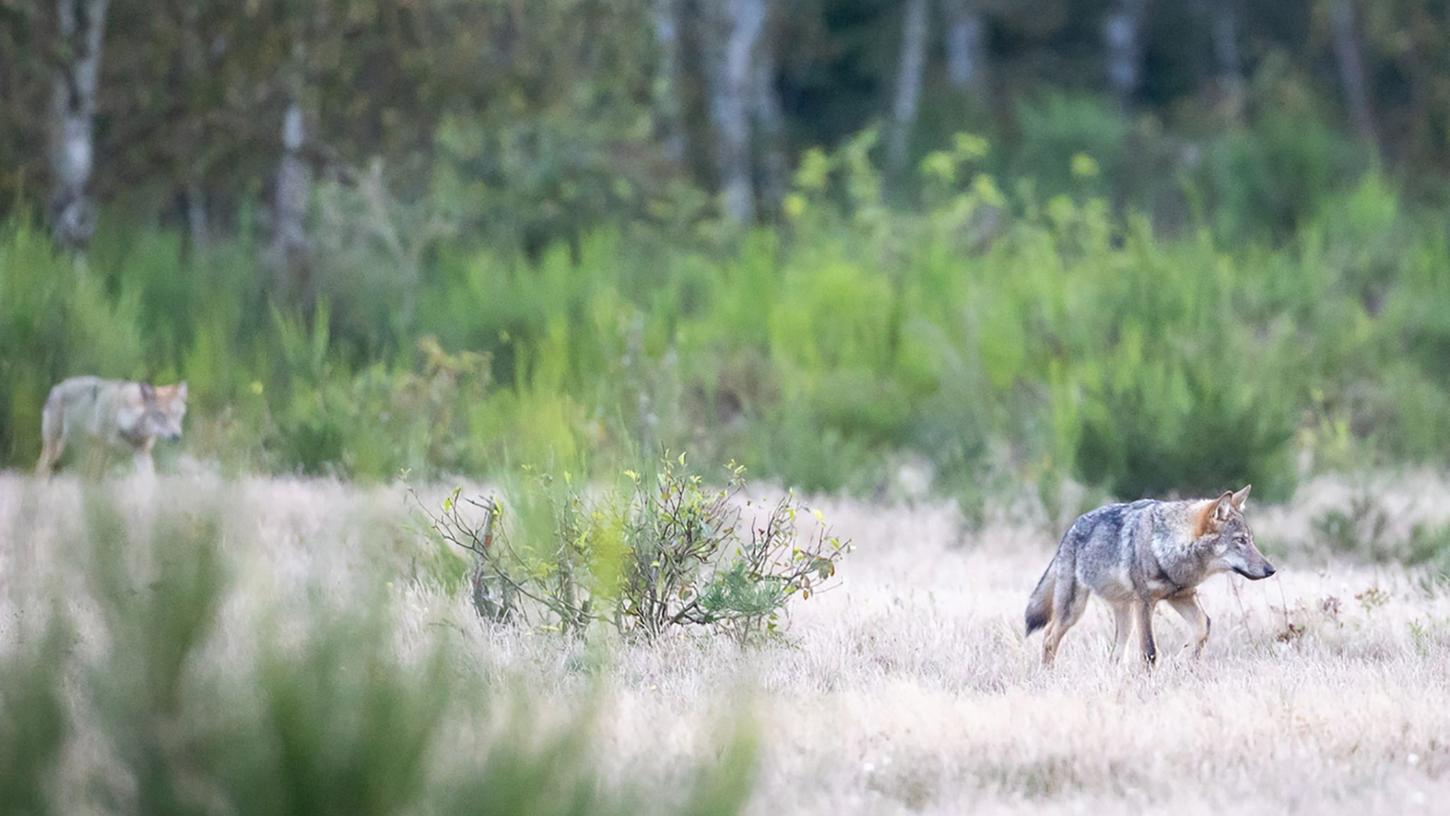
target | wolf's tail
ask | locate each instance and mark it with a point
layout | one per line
(1039, 605)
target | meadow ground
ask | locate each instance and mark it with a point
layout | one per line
(908, 687)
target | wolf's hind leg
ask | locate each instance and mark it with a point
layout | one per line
(1065, 614)
(52, 437)
(49, 455)
(1193, 614)
(1050, 639)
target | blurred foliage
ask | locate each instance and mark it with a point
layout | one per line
(986, 329)
(537, 121)
(166, 705)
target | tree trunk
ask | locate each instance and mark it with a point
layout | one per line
(770, 124)
(668, 107)
(908, 83)
(1224, 28)
(72, 148)
(289, 210)
(194, 66)
(743, 21)
(1122, 40)
(1349, 55)
(966, 35)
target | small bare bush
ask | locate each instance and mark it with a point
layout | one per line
(660, 552)
(1361, 526)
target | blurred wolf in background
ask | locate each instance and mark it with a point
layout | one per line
(1136, 554)
(115, 413)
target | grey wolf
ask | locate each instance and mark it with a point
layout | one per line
(1134, 555)
(116, 413)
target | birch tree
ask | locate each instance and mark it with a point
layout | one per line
(742, 22)
(910, 67)
(1228, 64)
(293, 189)
(193, 58)
(81, 26)
(669, 109)
(770, 120)
(1348, 54)
(1123, 45)
(965, 40)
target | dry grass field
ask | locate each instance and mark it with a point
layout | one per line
(908, 688)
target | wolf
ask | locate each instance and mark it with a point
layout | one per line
(1134, 555)
(116, 413)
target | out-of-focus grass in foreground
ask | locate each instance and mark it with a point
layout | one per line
(122, 691)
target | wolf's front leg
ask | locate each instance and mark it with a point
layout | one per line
(1193, 614)
(1143, 611)
(145, 465)
(1122, 627)
(52, 438)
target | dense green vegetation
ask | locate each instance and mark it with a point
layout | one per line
(995, 329)
(516, 237)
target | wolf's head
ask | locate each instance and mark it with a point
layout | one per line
(1230, 542)
(163, 407)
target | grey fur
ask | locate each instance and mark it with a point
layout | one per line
(116, 413)
(1133, 555)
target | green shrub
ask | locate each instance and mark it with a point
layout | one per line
(383, 420)
(57, 320)
(1054, 128)
(1267, 178)
(1359, 526)
(1429, 545)
(1184, 427)
(661, 552)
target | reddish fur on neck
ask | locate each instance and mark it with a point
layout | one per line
(1203, 519)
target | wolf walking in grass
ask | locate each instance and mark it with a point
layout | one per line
(1134, 555)
(114, 413)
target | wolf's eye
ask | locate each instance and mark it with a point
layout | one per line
(1241, 539)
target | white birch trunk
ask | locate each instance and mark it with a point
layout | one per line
(73, 109)
(289, 208)
(770, 122)
(1349, 55)
(194, 62)
(1122, 41)
(910, 68)
(1225, 32)
(966, 45)
(668, 107)
(742, 22)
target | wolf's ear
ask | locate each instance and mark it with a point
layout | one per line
(148, 392)
(1223, 507)
(181, 395)
(1241, 496)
